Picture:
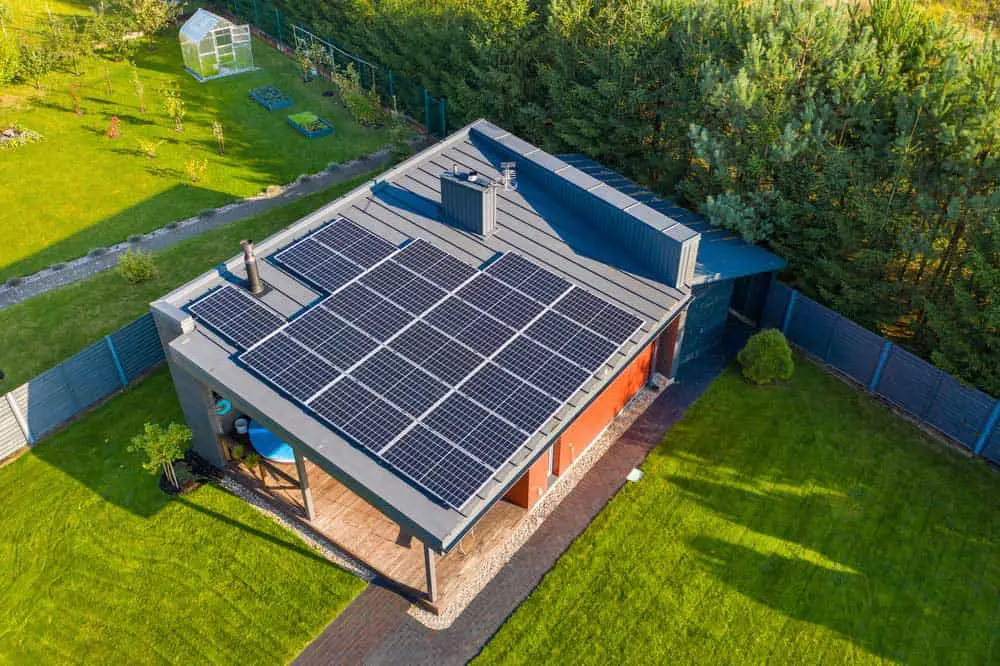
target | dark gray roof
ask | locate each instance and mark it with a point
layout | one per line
(403, 204)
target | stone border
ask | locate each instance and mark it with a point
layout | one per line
(502, 554)
(102, 259)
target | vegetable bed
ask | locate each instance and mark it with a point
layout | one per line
(310, 125)
(270, 97)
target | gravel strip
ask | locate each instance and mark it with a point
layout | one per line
(310, 536)
(491, 564)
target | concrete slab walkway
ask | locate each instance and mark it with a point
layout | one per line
(376, 628)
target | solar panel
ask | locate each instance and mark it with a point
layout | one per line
(382, 370)
(342, 402)
(450, 370)
(589, 350)
(274, 355)
(386, 278)
(383, 321)
(528, 408)
(452, 363)
(368, 251)
(452, 315)
(483, 291)
(306, 377)
(416, 392)
(418, 342)
(340, 234)
(456, 417)
(235, 315)
(490, 386)
(420, 255)
(456, 478)
(315, 327)
(493, 441)
(615, 324)
(553, 330)
(377, 426)
(579, 305)
(417, 452)
(417, 296)
(485, 335)
(516, 309)
(352, 302)
(347, 347)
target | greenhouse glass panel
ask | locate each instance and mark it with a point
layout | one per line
(213, 47)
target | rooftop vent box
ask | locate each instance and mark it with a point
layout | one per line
(469, 201)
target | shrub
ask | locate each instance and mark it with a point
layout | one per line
(207, 213)
(767, 358)
(134, 238)
(57, 266)
(149, 147)
(162, 446)
(97, 251)
(136, 266)
(14, 281)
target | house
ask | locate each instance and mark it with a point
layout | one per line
(439, 345)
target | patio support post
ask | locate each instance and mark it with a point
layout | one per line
(429, 566)
(307, 497)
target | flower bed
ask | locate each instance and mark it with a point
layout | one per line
(270, 98)
(310, 125)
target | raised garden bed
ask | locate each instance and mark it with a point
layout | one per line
(270, 98)
(310, 125)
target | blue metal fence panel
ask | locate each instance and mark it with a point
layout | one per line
(777, 303)
(854, 351)
(811, 326)
(138, 346)
(91, 375)
(959, 411)
(992, 449)
(909, 382)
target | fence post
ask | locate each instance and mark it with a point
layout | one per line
(277, 23)
(427, 110)
(444, 117)
(392, 86)
(256, 16)
(788, 312)
(882, 360)
(991, 423)
(19, 417)
(118, 362)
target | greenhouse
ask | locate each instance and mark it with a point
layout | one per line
(214, 47)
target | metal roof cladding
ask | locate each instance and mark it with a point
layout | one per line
(722, 254)
(566, 221)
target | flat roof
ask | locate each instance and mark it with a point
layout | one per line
(722, 254)
(400, 205)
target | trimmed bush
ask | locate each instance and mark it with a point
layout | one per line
(57, 266)
(97, 251)
(767, 358)
(136, 266)
(207, 213)
(14, 281)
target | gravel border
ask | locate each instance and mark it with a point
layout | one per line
(495, 560)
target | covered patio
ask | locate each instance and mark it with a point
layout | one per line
(368, 536)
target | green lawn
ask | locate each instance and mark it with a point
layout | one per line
(79, 190)
(47, 329)
(97, 565)
(804, 524)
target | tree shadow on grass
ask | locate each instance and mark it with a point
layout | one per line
(882, 574)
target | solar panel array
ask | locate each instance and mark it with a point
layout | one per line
(440, 370)
(236, 316)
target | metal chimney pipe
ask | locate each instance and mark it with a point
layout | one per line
(253, 274)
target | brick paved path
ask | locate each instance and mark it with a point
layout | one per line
(376, 629)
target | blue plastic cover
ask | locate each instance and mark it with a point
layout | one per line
(269, 446)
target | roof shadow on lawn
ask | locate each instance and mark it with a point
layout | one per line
(178, 202)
